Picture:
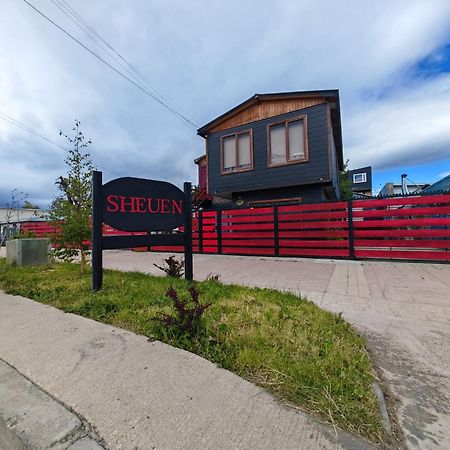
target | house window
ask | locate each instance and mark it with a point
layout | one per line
(287, 142)
(237, 152)
(359, 178)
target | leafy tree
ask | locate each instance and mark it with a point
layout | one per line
(71, 210)
(29, 205)
(345, 184)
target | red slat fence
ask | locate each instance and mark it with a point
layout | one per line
(409, 228)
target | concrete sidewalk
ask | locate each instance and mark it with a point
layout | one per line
(402, 308)
(144, 395)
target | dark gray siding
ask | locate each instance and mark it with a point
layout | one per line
(367, 186)
(309, 193)
(262, 177)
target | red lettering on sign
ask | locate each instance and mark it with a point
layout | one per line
(149, 203)
(165, 206)
(177, 205)
(112, 207)
(130, 204)
(119, 203)
(140, 205)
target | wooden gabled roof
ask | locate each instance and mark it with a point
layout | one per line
(263, 106)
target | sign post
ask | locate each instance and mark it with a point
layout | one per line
(188, 258)
(97, 254)
(137, 204)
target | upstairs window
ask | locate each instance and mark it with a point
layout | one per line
(287, 142)
(359, 177)
(237, 152)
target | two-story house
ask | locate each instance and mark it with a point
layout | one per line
(274, 148)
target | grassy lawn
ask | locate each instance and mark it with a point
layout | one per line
(303, 355)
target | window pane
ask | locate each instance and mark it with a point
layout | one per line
(229, 153)
(244, 150)
(277, 144)
(296, 140)
(359, 178)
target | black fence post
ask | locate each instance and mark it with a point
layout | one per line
(351, 238)
(276, 231)
(188, 259)
(97, 221)
(219, 231)
(200, 231)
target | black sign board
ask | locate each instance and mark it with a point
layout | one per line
(137, 204)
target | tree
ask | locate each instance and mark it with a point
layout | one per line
(70, 212)
(29, 205)
(345, 185)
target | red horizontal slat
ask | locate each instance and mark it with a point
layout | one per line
(419, 200)
(313, 207)
(399, 254)
(248, 242)
(210, 242)
(209, 228)
(209, 214)
(247, 211)
(402, 223)
(301, 225)
(249, 219)
(209, 249)
(402, 243)
(314, 252)
(248, 251)
(166, 248)
(210, 221)
(209, 235)
(247, 227)
(309, 216)
(442, 233)
(314, 244)
(429, 211)
(247, 234)
(314, 234)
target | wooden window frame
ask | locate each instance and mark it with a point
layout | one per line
(236, 135)
(286, 137)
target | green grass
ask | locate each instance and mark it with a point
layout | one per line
(303, 355)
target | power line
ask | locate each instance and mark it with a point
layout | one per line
(154, 97)
(28, 129)
(81, 23)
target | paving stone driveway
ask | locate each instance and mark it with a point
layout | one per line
(402, 308)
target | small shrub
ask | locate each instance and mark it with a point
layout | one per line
(174, 268)
(187, 312)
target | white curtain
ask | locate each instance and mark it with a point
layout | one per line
(229, 153)
(244, 150)
(296, 141)
(277, 144)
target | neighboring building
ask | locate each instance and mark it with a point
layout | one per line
(440, 186)
(11, 218)
(361, 181)
(275, 147)
(390, 189)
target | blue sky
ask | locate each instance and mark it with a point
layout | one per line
(390, 60)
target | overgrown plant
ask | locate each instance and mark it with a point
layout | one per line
(173, 268)
(188, 312)
(345, 185)
(70, 212)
